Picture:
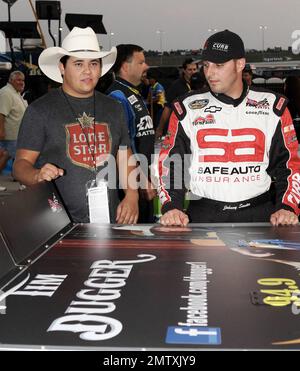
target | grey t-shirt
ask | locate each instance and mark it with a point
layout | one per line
(58, 125)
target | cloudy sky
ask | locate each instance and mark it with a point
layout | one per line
(185, 23)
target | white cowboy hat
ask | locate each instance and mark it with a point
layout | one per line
(80, 43)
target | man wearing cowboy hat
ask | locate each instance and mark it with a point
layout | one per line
(74, 131)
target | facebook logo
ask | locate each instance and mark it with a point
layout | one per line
(194, 335)
(2, 42)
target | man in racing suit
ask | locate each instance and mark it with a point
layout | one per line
(237, 147)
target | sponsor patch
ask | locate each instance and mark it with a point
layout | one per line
(292, 139)
(132, 99)
(179, 110)
(194, 335)
(199, 104)
(138, 107)
(145, 127)
(288, 129)
(263, 104)
(258, 113)
(220, 47)
(213, 109)
(280, 104)
(208, 120)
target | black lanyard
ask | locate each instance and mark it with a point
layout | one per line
(93, 153)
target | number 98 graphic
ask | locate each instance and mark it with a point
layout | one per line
(253, 149)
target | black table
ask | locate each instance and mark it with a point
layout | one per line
(150, 287)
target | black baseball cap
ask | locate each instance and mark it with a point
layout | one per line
(223, 46)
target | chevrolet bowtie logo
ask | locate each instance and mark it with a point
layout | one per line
(213, 109)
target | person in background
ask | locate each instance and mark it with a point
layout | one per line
(292, 91)
(144, 87)
(198, 80)
(12, 109)
(156, 97)
(130, 68)
(248, 74)
(179, 87)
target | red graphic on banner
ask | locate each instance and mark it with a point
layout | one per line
(54, 204)
(86, 144)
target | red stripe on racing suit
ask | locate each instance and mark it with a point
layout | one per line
(287, 169)
(176, 142)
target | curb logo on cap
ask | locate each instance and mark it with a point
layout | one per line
(220, 47)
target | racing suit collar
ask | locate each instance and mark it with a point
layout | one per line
(125, 82)
(228, 100)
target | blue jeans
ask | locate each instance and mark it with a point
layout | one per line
(10, 146)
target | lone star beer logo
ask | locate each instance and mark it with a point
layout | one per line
(84, 142)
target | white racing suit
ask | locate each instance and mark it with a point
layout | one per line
(234, 150)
